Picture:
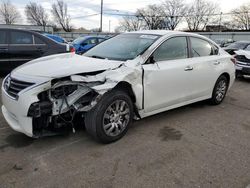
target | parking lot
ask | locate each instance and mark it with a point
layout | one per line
(194, 146)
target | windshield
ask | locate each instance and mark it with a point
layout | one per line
(122, 47)
(238, 45)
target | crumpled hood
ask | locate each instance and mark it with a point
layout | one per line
(61, 65)
(243, 52)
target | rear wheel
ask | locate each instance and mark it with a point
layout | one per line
(220, 90)
(109, 120)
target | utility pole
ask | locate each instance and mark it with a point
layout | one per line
(109, 26)
(101, 15)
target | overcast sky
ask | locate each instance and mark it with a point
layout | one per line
(78, 8)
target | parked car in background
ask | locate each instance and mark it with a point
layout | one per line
(83, 44)
(242, 63)
(20, 46)
(239, 45)
(132, 75)
(224, 42)
(55, 38)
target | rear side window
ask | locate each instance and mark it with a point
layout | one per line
(100, 40)
(248, 48)
(3, 37)
(91, 41)
(201, 47)
(17, 37)
(39, 41)
(172, 49)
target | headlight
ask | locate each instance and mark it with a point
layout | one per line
(6, 83)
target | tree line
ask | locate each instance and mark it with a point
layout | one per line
(170, 14)
(37, 15)
(195, 16)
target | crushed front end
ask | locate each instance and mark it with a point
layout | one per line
(49, 108)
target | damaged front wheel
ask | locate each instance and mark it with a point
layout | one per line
(109, 120)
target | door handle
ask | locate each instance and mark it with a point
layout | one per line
(39, 49)
(216, 63)
(189, 68)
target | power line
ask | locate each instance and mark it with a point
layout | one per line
(85, 16)
(163, 16)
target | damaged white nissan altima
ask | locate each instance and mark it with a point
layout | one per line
(130, 76)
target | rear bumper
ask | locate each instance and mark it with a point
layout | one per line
(242, 69)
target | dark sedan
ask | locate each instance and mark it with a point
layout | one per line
(240, 45)
(20, 46)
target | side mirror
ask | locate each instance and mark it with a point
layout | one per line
(84, 44)
(151, 60)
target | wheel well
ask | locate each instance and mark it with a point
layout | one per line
(125, 86)
(227, 76)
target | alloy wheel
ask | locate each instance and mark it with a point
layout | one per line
(116, 118)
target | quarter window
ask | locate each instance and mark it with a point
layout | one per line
(3, 37)
(21, 38)
(174, 48)
(201, 47)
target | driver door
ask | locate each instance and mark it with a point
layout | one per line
(167, 75)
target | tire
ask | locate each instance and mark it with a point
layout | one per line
(104, 122)
(220, 90)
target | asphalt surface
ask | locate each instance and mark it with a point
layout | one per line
(194, 146)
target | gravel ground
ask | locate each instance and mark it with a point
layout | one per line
(194, 146)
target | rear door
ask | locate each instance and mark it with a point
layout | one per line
(4, 51)
(21, 48)
(205, 66)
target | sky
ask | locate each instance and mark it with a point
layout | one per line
(79, 8)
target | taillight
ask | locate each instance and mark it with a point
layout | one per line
(72, 49)
(233, 60)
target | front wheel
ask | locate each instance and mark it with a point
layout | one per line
(109, 120)
(220, 90)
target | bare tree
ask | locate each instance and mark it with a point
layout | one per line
(174, 12)
(60, 14)
(199, 14)
(131, 23)
(153, 16)
(241, 16)
(36, 14)
(8, 13)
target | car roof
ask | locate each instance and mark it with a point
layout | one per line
(88, 37)
(164, 32)
(244, 42)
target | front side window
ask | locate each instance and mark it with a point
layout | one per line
(3, 37)
(21, 38)
(172, 49)
(122, 47)
(201, 47)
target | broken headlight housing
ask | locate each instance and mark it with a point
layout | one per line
(64, 90)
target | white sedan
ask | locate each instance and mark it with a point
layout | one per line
(130, 76)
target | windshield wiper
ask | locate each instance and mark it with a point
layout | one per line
(97, 57)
